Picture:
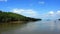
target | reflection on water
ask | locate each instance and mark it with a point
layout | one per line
(39, 27)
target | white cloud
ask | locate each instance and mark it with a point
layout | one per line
(32, 13)
(25, 12)
(17, 10)
(48, 15)
(51, 13)
(58, 12)
(3, 0)
(41, 2)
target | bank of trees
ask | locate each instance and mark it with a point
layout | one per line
(9, 16)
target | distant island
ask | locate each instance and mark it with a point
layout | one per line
(9, 16)
(59, 19)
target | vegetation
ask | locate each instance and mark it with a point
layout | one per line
(9, 16)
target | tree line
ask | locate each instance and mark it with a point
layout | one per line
(9, 16)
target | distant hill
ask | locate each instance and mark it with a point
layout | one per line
(9, 16)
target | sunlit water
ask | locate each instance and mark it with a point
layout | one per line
(38, 27)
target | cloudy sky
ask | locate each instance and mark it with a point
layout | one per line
(32, 8)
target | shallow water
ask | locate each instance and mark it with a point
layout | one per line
(38, 27)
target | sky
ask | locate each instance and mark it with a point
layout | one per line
(45, 9)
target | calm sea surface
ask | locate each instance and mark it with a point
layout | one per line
(38, 27)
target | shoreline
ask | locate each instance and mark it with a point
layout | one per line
(21, 21)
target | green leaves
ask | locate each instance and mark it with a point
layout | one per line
(8, 16)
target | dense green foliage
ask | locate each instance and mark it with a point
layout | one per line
(9, 16)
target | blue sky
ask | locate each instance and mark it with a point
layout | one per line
(32, 8)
